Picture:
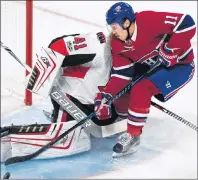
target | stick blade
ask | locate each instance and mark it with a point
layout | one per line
(6, 176)
(17, 159)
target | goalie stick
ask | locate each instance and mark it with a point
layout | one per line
(15, 129)
(89, 126)
(15, 57)
(16, 159)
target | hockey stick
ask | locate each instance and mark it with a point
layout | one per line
(6, 175)
(187, 123)
(19, 61)
(89, 126)
(15, 57)
(16, 159)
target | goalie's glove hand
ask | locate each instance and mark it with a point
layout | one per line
(102, 110)
(169, 57)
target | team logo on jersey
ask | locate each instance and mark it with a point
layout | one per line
(149, 58)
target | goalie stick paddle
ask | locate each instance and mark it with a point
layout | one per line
(187, 123)
(16, 159)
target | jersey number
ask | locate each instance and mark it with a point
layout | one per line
(171, 20)
(79, 43)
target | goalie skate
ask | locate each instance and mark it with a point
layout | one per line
(48, 115)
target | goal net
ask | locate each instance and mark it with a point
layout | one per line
(50, 20)
(15, 34)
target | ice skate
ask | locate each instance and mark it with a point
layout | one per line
(127, 144)
(52, 117)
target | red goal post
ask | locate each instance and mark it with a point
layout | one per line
(29, 35)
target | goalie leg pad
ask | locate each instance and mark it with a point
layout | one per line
(6, 149)
(75, 142)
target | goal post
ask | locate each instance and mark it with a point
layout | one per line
(29, 47)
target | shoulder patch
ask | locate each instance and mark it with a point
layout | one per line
(101, 37)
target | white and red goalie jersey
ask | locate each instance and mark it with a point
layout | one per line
(87, 64)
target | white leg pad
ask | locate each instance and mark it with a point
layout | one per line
(6, 149)
(75, 142)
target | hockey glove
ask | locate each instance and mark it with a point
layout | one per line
(169, 57)
(102, 110)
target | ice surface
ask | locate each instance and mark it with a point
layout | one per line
(168, 147)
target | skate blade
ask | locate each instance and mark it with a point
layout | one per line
(133, 150)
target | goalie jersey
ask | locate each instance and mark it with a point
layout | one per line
(87, 64)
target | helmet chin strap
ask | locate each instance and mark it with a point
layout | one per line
(128, 33)
(128, 36)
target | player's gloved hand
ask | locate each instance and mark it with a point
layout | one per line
(169, 57)
(102, 110)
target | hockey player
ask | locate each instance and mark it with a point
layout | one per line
(138, 41)
(86, 66)
(76, 65)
